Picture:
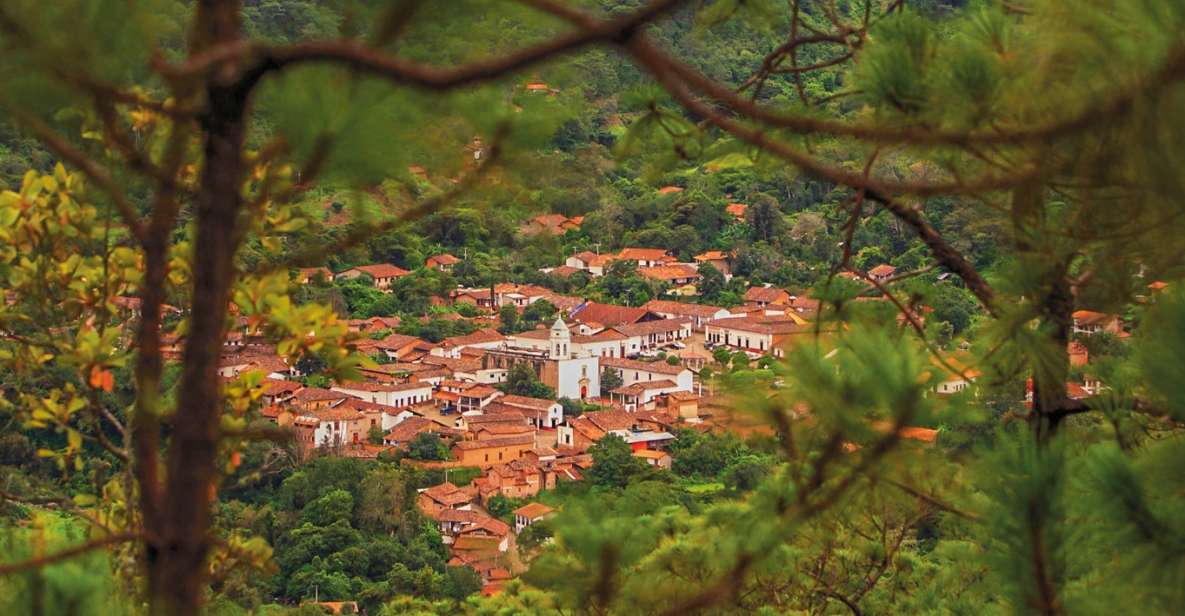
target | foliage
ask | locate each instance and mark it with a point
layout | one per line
(522, 381)
(427, 446)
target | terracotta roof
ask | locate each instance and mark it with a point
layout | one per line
(527, 402)
(471, 543)
(274, 387)
(657, 367)
(650, 453)
(608, 314)
(380, 387)
(412, 427)
(606, 335)
(609, 420)
(643, 386)
(459, 515)
(395, 342)
(1088, 317)
(447, 494)
(502, 429)
(480, 336)
(310, 273)
(489, 524)
(381, 270)
(644, 254)
(336, 413)
(443, 259)
(760, 325)
(653, 327)
(533, 510)
(675, 271)
(926, 435)
(883, 269)
(479, 391)
(564, 271)
(504, 441)
(668, 190)
(317, 394)
(764, 294)
(503, 416)
(713, 255)
(737, 210)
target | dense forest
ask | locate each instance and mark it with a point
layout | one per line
(173, 167)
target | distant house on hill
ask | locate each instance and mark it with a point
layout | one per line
(645, 257)
(765, 296)
(882, 272)
(442, 263)
(737, 210)
(382, 273)
(717, 258)
(551, 224)
(529, 514)
(676, 274)
(309, 275)
(1091, 322)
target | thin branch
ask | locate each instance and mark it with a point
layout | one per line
(93, 170)
(933, 501)
(42, 561)
(656, 62)
(263, 59)
(1171, 71)
(361, 234)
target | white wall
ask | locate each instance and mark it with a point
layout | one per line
(571, 371)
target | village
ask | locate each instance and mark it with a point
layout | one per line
(634, 373)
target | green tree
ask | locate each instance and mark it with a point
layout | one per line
(610, 379)
(614, 465)
(711, 282)
(508, 321)
(522, 381)
(427, 446)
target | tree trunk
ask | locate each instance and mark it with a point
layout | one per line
(184, 533)
(1049, 385)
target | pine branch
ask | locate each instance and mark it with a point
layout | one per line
(260, 60)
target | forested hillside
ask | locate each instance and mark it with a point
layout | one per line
(808, 307)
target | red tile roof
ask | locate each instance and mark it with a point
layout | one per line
(504, 441)
(532, 511)
(381, 270)
(765, 294)
(608, 314)
(666, 273)
(653, 327)
(644, 254)
(443, 259)
(657, 367)
(662, 306)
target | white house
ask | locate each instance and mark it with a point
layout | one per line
(529, 514)
(756, 335)
(633, 371)
(388, 394)
(539, 412)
